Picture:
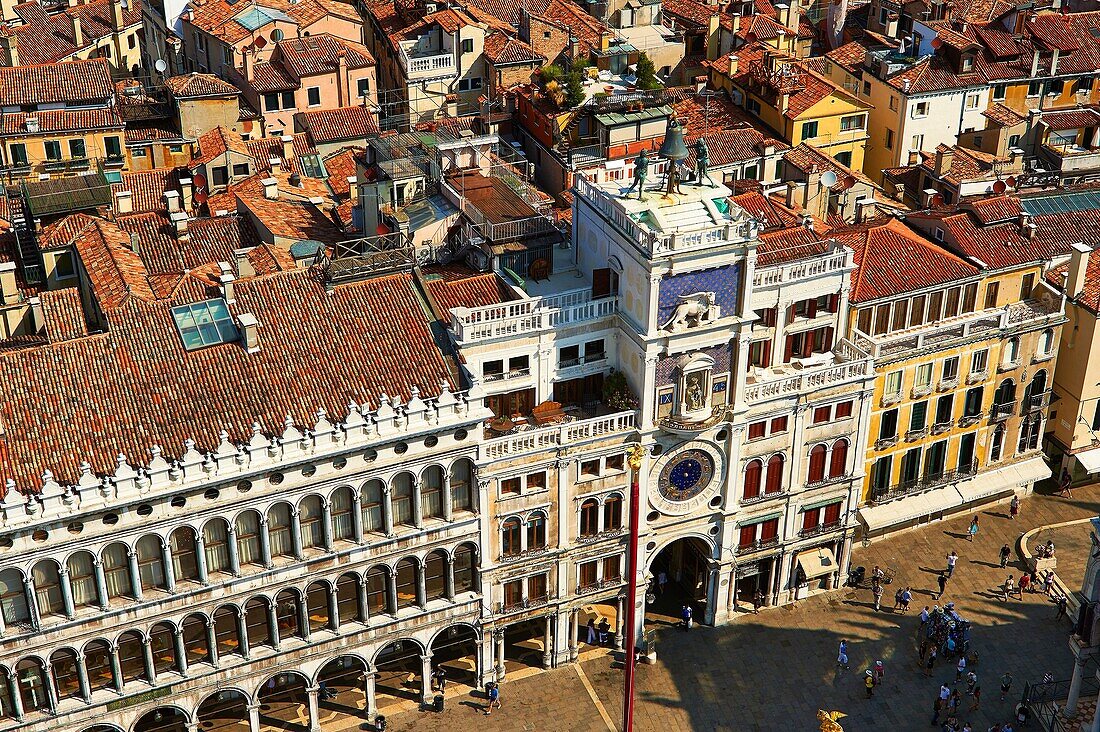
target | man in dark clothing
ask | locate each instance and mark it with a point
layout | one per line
(942, 580)
(1005, 552)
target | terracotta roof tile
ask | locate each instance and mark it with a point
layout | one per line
(995, 209)
(998, 245)
(455, 286)
(342, 165)
(147, 187)
(337, 125)
(67, 81)
(63, 120)
(320, 54)
(502, 50)
(216, 142)
(1071, 119)
(263, 149)
(1004, 115)
(272, 77)
(189, 86)
(807, 157)
(63, 314)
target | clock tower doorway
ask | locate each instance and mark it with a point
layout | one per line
(684, 565)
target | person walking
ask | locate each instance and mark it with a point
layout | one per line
(439, 679)
(880, 671)
(685, 615)
(942, 580)
(952, 558)
(930, 662)
(937, 707)
(757, 602)
(842, 656)
(1063, 604)
(1009, 583)
(906, 598)
(954, 702)
(1048, 581)
(1014, 508)
(925, 646)
(1006, 684)
(977, 697)
(591, 640)
(494, 698)
(960, 668)
(971, 682)
(1065, 483)
(604, 629)
(1005, 553)
(662, 580)
(973, 529)
(877, 592)
(1025, 583)
(869, 683)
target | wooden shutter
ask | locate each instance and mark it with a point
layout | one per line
(748, 535)
(810, 518)
(769, 529)
(789, 347)
(817, 464)
(601, 282)
(832, 513)
(839, 461)
(774, 481)
(752, 479)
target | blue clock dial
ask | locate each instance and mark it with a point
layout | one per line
(686, 473)
(687, 476)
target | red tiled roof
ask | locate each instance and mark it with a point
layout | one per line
(116, 273)
(147, 187)
(149, 132)
(453, 286)
(44, 38)
(342, 165)
(807, 158)
(789, 245)
(290, 216)
(263, 149)
(217, 17)
(63, 314)
(216, 142)
(320, 54)
(62, 120)
(995, 208)
(966, 164)
(893, 259)
(271, 77)
(1071, 119)
(67, 81)
(189, 86)
(337, 125)
(351, 344)
(762, 208)
(998, 245)
(1004, 115)
(210, 240)
(850, 56)
(502, 50)
(511, 11)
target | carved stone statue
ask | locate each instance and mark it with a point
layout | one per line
(695, 398)
(702, 162)
(693, 309)
(641, 172)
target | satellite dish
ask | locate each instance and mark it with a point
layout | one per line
(260, 42)
(936, 43)
(199, 180)
(750, 37)
(828, 179)
(1011, 181)
(937, 200)
(160, 66)
(1000, 187)
(201, 197)
(847, 182)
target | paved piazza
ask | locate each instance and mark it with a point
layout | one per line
(772, 671)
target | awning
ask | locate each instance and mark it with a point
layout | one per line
(909, 508)
(1089, 460)
(817, 562)
(1004, 479)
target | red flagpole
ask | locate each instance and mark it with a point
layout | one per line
(635, 459)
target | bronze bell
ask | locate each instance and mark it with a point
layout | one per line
(674, 148)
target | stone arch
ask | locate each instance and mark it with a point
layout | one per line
(13, 596)
(398, 670)
(165, 718)
(408, 571)
(347, 597)
(669, 541)
(102, 727)
(283, 698)
(402, 486)
(80, 565)
(63, 668)
(341, 509)
(311, 512)
(455, 648)
(223, 710)
(467, 576)
(183, 546)
(116, 569)
(46, 579)
(318, 609)
(343, 679)
(378, 599)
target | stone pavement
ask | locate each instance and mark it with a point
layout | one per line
(772, 671)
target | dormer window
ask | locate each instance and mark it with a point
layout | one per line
(967, 62)
(203, 324)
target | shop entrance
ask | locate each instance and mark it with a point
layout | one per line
(683, 564)
(753, 576)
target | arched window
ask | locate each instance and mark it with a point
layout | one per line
(65, 676)
(342, 526)
(536, 531)
(116, 571)
(47, 588)
(162, 642)
(150, 563)
(817, 464)
(997, 444)
(131, 656)
(461, 487)
(225, 631)
(6, 706)
(249, 543)
(464, 569)
(81, 567)
(1037, 388)
(753, 472)
(287, 607)
(184, 564)
(401, 498)
(838, 462)
(311, 516)
(1006, 393)
(278, 531)
(613, 512)
(317, 606)
(377, 581)
(406, 583)
(13, 598)
(215, 537)
(32, 685)
(97, 661)
(1011, 351)
(510, 541)
(431, 493)
(435, 572)
(194, 639)
(773, 483)
(347, 598)
(590, 517)
(256, 623)
(373, 520)
(1046, 342)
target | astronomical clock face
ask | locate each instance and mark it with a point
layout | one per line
(685, 479)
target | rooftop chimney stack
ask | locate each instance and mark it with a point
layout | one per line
(244, 264)
(179, 221)
(353, 188)
(117, 19)
(271, 188)
(78, 32)
(227, 279)
(172, 201)
(250, 331)
(11, 45)
(124, 202)
(9, 287)
(275, 164)
(187, 189)
(288, 147)
(1078, 266)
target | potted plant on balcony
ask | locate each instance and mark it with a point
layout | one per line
(617, 394)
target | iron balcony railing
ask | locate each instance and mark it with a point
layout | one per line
(820, 529)
(758, 545)
(925, 482)
(1001, 411)
(526, 603)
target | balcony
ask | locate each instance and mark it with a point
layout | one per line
(762, 497)
(1038, 401)
(586, 155)
(526, 554)
(593, 538)
(820, 529)
(1008, 366)
(431, 65)
(1070, 159)
(912, 435)
(968, 420)
(889, 400)
(603, 584)
(924, 483)
(558, 435)
(948, 384)
(529, 317)
(505, 375)
(527, 603)
(938, 428)
(844, 363)
(1001, 412)
(801, 270)
(919, 392)
(828, 480)
(757, 546)
(977, 377)
(886, 442)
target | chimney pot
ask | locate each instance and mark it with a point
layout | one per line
(1078, 266)
(187, 189)
(244, 264)
(353, 187)
(179, 221)
(9, 286)
(124, 202)
(271, 188)
(250, 331)
(275, 164)
(172, 201)
(78, 31)
(32, 124)
(288, 147)
(227, 280)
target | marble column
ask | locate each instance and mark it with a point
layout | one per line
(273, 624)
(101, 584)
(169, 568)
(231, 545)
(66, 593)
(387, 509)
(417, 503)
(357, 516)
(265, 544)
(371, 695)
(32, 604)
(303, 619)
(498, 652)
(212, 642)
(147, 657)
(16, 698)
(135, 575)
(82, 678)
(326, 524)
(1075, 686)
(574, 631)
(426, 678)
(448, 509)
(242, 635)
(364, 611)
(314, 709)
(51, 686)
(333, 609)
(421, 586)
(449, 579)
(548, 642)
(391, 579)
(296, 533)
(116, 668)
(254, 718)
(200, 558)
(620, 621)
(181, 651)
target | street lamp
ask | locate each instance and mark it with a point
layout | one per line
(634, 457)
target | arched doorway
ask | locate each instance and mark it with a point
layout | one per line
(684, 565)
(455, 649)
(344, 695)
(284, 702)
(224, 711)
(102, 728)
(398, 675)
(162, 719)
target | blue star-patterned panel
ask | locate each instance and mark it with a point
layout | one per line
(724, 282)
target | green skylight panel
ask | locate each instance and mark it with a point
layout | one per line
(203, 324)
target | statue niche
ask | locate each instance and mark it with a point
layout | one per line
(692, 311)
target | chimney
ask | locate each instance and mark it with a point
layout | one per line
(735, 20)
(1023, 220)
(246, 61)
(78, 32)
(700, 84)
(808, 222)
(929, 195)
(172, 201)
(226, 279)
(342, 98)
(1029, 231)
(1078, 265)
(353, 188)
(783, 14)
(784, 102)
(271, 188)
(179, 221)
(117, 20)
(244, 264)
(733, 64)
(288, 148)
(11, 45)
(124, 202)
(275, 164)
(864, 208)
(32, 124)
(135, 243)
(793, 188)
(250, 331)
(73, 3)
(187, 188)
(914, 157)
(9, 287)
(944, 157)
(1054, 63)
(1035, 63)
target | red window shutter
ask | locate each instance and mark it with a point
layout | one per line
(774, 482)
(817, 463)
(832, 513)
(766, 357)
(769, 529)
(752, 479)
(748, 535)
(839, 462)
(828, 344)
(834, 303)
(790, 314)
(811, 307)
(789, 347)
(810, 518)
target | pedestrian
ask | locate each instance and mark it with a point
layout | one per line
(494, 698)
(605, 631)
(971, 682)
(439, 678)
(937, 707)
(1005, 552)
(1049, 549)
(877, 592)
(897, 599)
(662, 580)
(942, 580)
(1048, 581)
(1063, 604)
(930, 662)
(1022, 714)
(952, 558)
(977, 697)
(591, 640)
(1065, 484)
(967, 728)
(757, 602)
(1048, 677)
(1006, 684)
(685, 615)
(1014, 508)
(1025, 583)
(954, 702)
(880, 671)
(842, 656)
(924, 616)
(925, 645)
(906, 598)
(945, 693)
(1009, 583)
(973, 529)
(869, 683)
(877, 576)
(960, 668)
